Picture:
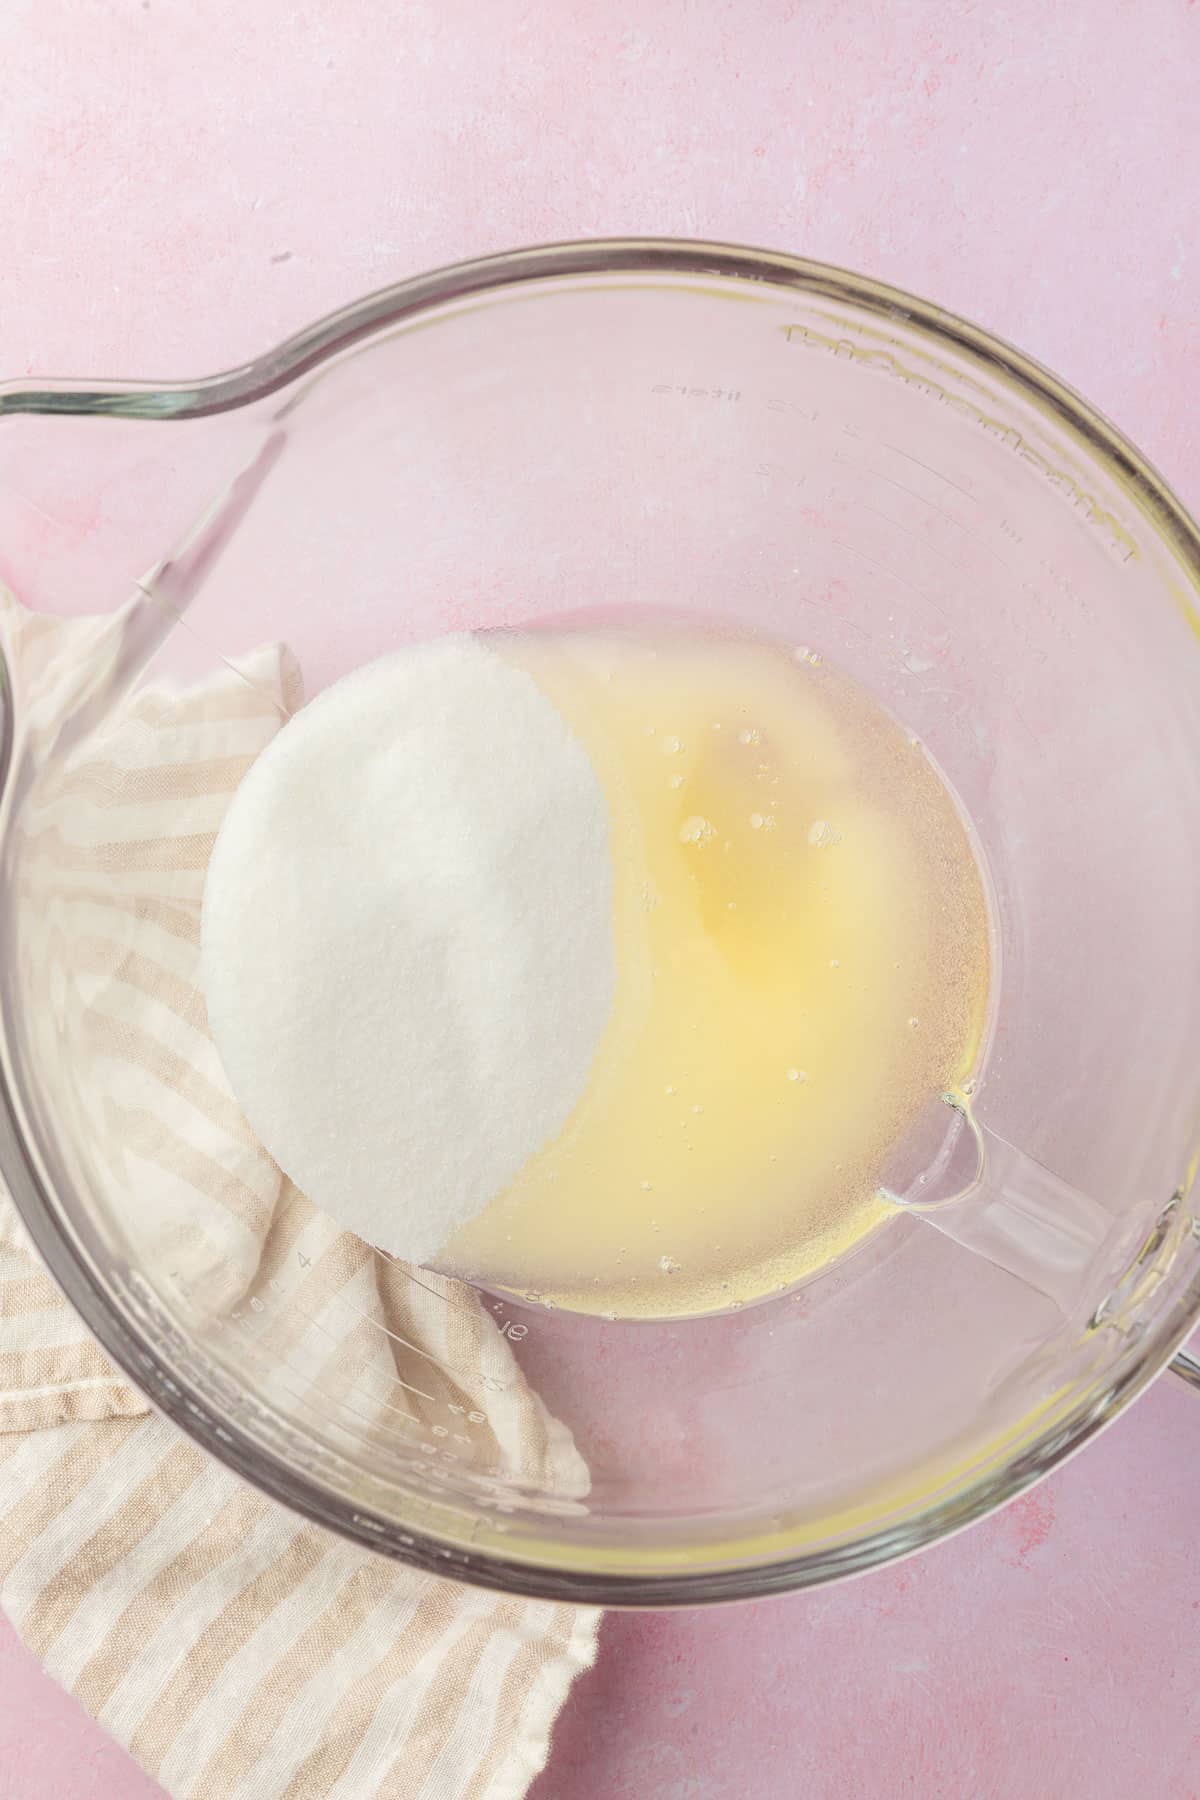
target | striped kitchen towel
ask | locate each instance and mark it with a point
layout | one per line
(238, 1652)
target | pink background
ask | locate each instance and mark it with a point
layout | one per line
(181, 185)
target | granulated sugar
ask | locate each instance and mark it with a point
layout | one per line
(407, 939)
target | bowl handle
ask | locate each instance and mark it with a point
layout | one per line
(1000, 1203)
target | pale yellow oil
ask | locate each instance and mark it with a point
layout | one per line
(801, 936)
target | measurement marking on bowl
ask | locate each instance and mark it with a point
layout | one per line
(892, 574)
(398, 1410)
(411, 1274)
(950, 561)
(869, 469)
(313, 1391)
(490, 1383)
(466, 1375)
(314, 1385)
(409, 1388)
(909, 457)
(372, 1400)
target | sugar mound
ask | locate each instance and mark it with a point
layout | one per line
(407, 939)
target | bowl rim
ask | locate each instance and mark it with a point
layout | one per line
(76, 1270)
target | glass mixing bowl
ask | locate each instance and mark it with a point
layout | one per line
(749, 437)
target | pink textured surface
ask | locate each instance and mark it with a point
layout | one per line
(180, 186)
